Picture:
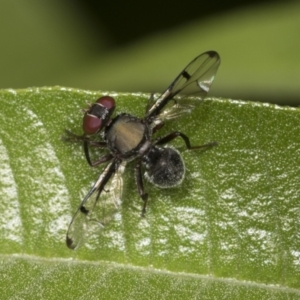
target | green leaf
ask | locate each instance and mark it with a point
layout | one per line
(229, 231)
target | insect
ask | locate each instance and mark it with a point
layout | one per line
(127, 138)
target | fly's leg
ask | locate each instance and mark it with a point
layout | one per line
(140, 185)
(173, 135)
(101, 160)
(71, 137)
(157, 127)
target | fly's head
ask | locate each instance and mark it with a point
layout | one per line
(98, 115)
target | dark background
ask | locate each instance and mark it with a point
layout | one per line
(138, 46)
(128, 21)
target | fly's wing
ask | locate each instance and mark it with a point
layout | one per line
(194, 80)
(98, 207)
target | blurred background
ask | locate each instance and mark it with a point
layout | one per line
(139, 46)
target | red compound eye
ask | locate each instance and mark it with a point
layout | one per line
(91, 124)
(107, 101)
(98, 115)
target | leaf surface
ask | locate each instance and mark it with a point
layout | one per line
(229, 231)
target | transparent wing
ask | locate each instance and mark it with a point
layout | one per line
(194, 80)
(98, 207)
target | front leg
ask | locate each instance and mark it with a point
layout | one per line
(72, 137)
(140, 185)
(101, 160)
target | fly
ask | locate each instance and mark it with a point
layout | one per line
(127, 138)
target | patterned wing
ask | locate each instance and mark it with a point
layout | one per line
(98, 207)
(194, 80)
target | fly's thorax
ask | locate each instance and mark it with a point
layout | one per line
(126, 134)
(165, 166)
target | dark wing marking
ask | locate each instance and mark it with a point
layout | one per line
(195, 79)
(98, 207)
